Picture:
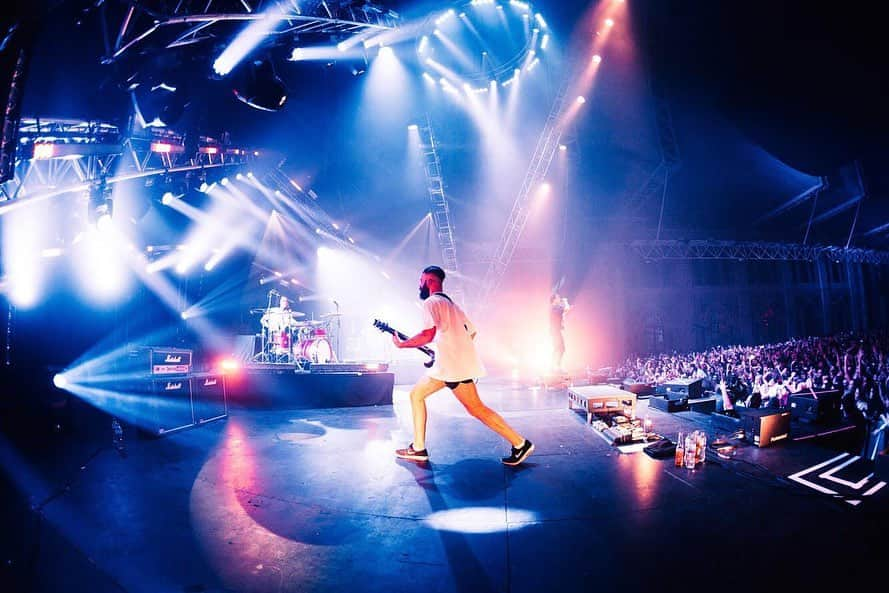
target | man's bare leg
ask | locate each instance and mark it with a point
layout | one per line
(423, 389)
(468, 396)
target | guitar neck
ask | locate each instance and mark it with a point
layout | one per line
(402, 336)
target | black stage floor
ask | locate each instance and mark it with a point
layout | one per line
(313, 500)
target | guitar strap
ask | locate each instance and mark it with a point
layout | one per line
(452, 302)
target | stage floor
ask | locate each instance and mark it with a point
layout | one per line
(314, 500)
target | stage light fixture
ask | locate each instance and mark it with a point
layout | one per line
(101, 206)
(261, 88)
(60, 381)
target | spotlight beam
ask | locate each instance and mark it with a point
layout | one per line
(449, 74)
(426, 220)
(478, 36)
(455, 50)
(248, 39)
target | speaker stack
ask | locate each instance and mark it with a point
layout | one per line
(174, 397)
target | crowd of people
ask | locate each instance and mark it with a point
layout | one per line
(857, 365)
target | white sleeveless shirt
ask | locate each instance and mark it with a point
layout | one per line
(456, 358)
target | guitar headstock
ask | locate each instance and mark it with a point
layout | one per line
(381, 325)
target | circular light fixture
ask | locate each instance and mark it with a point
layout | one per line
(481, 45)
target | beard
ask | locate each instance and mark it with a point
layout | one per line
(424, 292)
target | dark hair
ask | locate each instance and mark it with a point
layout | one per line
(435, 271)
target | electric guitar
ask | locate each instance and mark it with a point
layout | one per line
(384, 327)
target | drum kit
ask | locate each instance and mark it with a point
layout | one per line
(289, 338)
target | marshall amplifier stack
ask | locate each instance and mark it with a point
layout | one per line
(175, 397)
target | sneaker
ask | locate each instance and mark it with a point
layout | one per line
(412, 454)
(519, 454)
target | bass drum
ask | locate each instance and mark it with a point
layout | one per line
(316, 350)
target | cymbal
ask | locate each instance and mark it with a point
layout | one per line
(297, 314)
(332, 315)
(257, 311)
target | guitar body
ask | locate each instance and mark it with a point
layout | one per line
(384, 327)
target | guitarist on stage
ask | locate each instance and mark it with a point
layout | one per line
(457, 366)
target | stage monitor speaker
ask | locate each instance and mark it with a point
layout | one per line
(764, 426)
(640, 389)
(684, 388)
(668, 405)
(209, 397)
(820, 407)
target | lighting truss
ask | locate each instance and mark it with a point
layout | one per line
(194, 21)
(441, 213)
(60, 156)
(754, 251)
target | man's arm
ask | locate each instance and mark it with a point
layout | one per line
(421, 339)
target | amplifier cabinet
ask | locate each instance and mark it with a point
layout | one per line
(170, 405)
(765, 426)
(209, 399)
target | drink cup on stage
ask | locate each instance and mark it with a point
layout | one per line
(690, 452)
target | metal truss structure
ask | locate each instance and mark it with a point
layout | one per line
(544, 152)
(185, 22)
(441, 213)
(61, 156)
(754, 251)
